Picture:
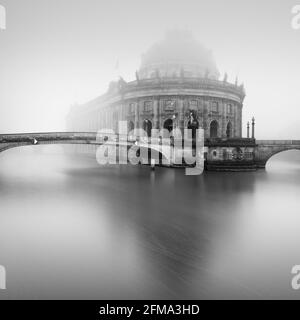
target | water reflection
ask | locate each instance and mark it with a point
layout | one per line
(72, 229)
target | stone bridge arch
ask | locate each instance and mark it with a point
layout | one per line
(266, 149)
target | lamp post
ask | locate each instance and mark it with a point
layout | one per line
(248, 129)
(253, 125)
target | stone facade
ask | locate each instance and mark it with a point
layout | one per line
(165, 103)
(167, 93)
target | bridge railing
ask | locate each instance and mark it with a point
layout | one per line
(63, 136)
(90, 138)
(46, 136)
(278, 142)
(46, 133)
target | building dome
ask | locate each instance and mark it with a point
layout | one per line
(178, 54)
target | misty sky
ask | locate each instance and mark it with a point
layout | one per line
(58, 52)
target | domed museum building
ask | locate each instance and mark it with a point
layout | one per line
(177, 85)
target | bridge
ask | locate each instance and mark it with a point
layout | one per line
(256, 152)
(9, 141)
(265, 149)
(244, 154)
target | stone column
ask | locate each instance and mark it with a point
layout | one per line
(200, 113)
(224, 120)
(136, 116)
(141, 113)
(181, 115)
(206, 118)
(155, 113)
(240, 119)
(236, 122)
(122, 112)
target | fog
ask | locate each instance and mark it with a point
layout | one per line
(56, 53)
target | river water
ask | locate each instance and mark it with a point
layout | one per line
(71, 229)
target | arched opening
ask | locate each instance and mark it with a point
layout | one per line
(168, 124)
(147, 126)
(285, 161)
(213, 129)
(229, 130)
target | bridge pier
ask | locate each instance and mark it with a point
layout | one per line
(236, 154)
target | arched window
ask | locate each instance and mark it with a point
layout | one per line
(168, 124)
(147, 126)
(213, 129)
(229, 130)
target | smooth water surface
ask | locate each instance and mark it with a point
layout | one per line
(71, 229)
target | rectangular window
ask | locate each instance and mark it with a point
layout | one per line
(169, 105)
(131, 108)
(194, 103)
(148, 106)
(214, 106)
(229, 108)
